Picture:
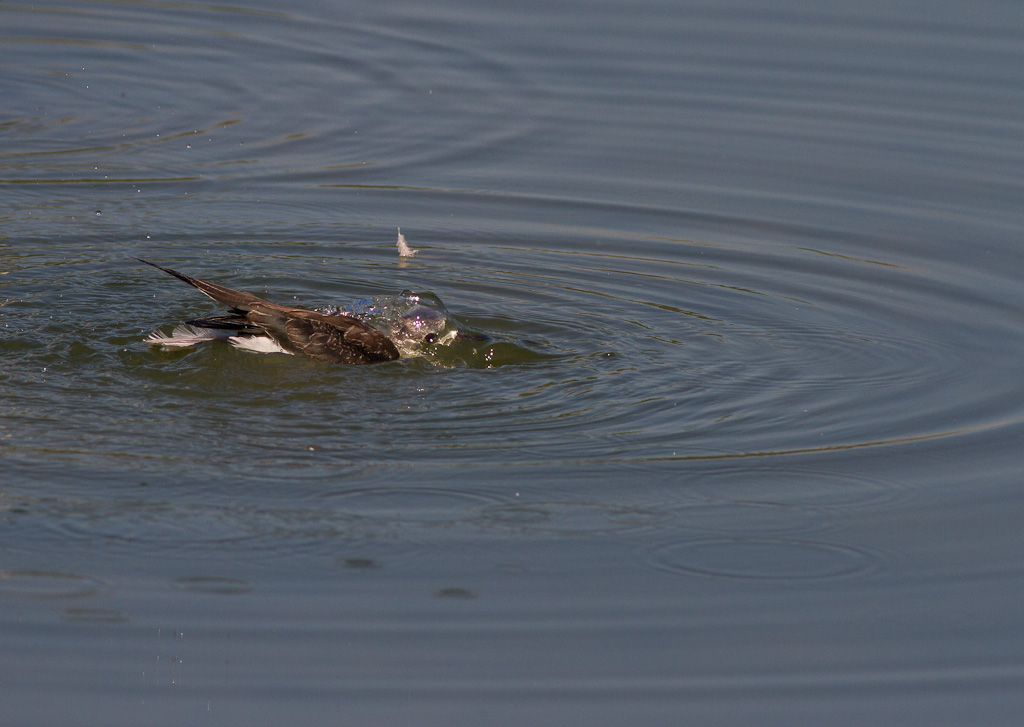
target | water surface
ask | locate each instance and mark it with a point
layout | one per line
(739, 440)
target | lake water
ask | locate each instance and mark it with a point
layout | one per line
(738, 440)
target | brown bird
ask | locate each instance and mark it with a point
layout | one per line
(261, 325)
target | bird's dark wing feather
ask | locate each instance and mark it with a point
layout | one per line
(235, 322)
(334, 339)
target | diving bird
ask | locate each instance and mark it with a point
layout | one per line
(261, 325)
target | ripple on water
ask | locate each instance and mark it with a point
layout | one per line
(736, 356)
(46, 584)
(215, 585)
(735, 517)
(570, 518)
(424, 506)
(166, 529)
(149, 526)
(280, 59)
(640, 376)
(809, 488)
(778, 559)
(94, 616)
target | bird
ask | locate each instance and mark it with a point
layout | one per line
(262, 325)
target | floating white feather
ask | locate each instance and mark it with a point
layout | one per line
(403, 248)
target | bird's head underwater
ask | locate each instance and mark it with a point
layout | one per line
(411, 321)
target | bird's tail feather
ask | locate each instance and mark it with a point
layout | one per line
(237, 299)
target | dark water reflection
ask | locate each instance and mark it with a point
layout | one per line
(738, 441)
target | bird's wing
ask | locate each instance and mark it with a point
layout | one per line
(334, 339)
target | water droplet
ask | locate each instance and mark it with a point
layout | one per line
(99, 213)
